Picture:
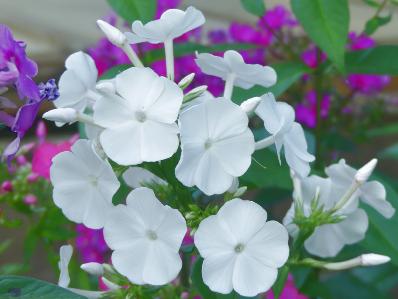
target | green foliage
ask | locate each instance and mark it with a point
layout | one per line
(132, 10)
(375, 23)
(114, 71)
(326, 22)
(30, 288)
(288, 73)
(377, 60)
(390, 152)
(255, 7)
(277, 288)
(386, 130)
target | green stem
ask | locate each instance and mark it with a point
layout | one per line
(378, 11)
(318, 82)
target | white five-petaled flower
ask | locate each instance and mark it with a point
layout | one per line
(234, 71)
(328, 239)
(372, 193)
(77, 83)
(139, 120)
(216, 145)
(84, 185)
(279, 121)
(241, 251)
(172, 24)
(145, 237)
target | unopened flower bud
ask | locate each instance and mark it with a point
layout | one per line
(373, 259)
(93, 268)
(106, 86)
(184, 295)
(194, 93)
(114, 35)
(6, 186)
(32, 177)
(365, 171)
(250, 105)
(30, 200)
(61, 115)
(21, 160)
(109, 284)
(184, 83)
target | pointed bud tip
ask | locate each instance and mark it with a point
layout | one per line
(113, 34)
(373, 259)
(93, 268)
(250, 105)
(365, 171)
(62, 115)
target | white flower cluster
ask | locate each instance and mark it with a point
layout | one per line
(140, 117)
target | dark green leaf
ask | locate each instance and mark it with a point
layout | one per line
(377, 60)
(374, 23)
(265, 172)
(255, 7)
(280, 281)
(30, 288)
(288, 73)
(131, 10)
(183, 49)
(326, 22)
(383, 131)
(390, 152)
(111, 73)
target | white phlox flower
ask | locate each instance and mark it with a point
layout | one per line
(279, 121)
(84, 185)
(372, 193)
(241, 250)
(145, 237)
(77, 84)
(328, 239)
(216, 145)
(235, 72)
(139, 120)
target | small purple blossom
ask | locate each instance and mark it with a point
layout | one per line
(49, 90)
(306, 111)
(163, 5)
(90, 244)
(360, 42)
(310, 57)
(30, 200)
(276, 18)
(15, 67)
(6, 186)
(218, 36)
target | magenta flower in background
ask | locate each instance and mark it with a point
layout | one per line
(276, 18)
(363, 83)
(163, 5)
(289, 291)
(15, 66)
(310, 57)
(218, 36)
(90, 244)
(306, 111)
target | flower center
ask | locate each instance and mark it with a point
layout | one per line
(93, 180)
(208, 144)
(151, 235)
(140, 116)
(239, 248)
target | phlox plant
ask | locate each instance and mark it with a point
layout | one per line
(165, 168)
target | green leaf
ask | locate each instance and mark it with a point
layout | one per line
(183, 49)
(30, 288)
(374, 23)
(326, 22)
(391, 129)
(377, 60)
(255, 7)
(280, 281)
(381, 236)
(268, 174)
(111, 73)
(288, 73)
(390, 152)
(132, 10)
(372, 3)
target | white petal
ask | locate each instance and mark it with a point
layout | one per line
(374, 194)
(72, 92)
(162, 265)
(251, 277)
(328, 240)
(212, 65)
(65, 254)
(270, 245)
(193, 18)
(191, 156)
(217, 271)
(137, 177)
(243, 218)
(341, 173)
(84, 66)
(172, 229)
(213, 238)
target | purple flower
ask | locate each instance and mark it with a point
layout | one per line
(363, 83)
(90, 244)
(276, 18)
(289, 291)
(49, 90)
(218, 36)
(164, 5)
(306, 111)
(15, 67)
(310, 57)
